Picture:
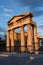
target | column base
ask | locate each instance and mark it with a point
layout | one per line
(36, 49)
(12, 49)
(30, 49)
(36, 52)
(7, 49)
(23, 49)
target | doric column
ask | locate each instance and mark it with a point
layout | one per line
(12, 40)
(29, 41)
(8, 41)
(35, 40)
(22, 39)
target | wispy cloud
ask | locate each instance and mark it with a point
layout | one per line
(39, 33)
(40, 26)
(7, 15)
(7, 10)
(2, 29)
(2, 33)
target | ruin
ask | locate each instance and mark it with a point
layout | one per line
(19, 21)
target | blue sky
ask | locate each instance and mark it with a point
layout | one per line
(9, 8)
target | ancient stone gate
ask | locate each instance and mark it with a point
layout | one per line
(20, 21)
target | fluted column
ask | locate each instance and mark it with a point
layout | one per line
(29, 41)
(12, 40)
(8, 41)
(35, 40)
(22, 39)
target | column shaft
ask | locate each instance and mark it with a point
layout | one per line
(35, 40)
(22, 39)
(29, 42)
(8, 41)
(12, 40)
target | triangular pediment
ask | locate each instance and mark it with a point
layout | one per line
(18, 17)
(14, 18)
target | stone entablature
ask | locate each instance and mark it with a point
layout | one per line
(40, 36)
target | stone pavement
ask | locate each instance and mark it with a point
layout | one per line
(20, 59)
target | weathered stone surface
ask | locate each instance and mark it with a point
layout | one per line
(21, 21)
